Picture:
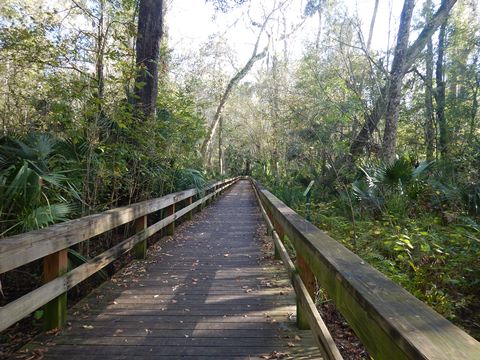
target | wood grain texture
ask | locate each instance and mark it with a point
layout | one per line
(305, 304)
(206, 293)
(21, 249)
(23, 306)
(391, 322)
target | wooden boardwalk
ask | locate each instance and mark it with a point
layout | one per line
(206, 293)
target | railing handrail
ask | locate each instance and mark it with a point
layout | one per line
(52, 244)
(392, 323)
(306, 308)
(21, 249)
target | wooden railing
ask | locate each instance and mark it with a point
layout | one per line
(391, 323)
(52, 244)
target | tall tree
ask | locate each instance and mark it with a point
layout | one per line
(372, 25)
(429, 115)
(440, 91)
(397, 73)
(150, 30)
(256, 55)
(390, 98)
(429, 125)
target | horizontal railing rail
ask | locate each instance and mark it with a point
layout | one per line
(52, 244)
(307, 313)
(391, 323)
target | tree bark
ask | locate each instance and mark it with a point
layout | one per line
(99, 57)
(397, 73)
(373, 117)
(429, 112)
(319, 30)
(220, 147)
(150, 21)
(475, 106)
(440, 92)
(372, 25)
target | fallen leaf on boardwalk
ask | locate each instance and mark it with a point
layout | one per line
(226, 255)
(297, 338)
(37, 354)
(87, 327)
(275, 355)
(53, 331)
(156, 296)
(291, 344)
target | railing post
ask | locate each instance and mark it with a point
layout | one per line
(170, 228)
(55, 311)
(269, 231)
(140, 250)
(212, 199)
(281, 235)
(308, 279)
(188, 202)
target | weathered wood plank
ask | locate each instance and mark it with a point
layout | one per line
(306, 309)
(391, 322)
(54, 266)
(21, 249)
(230, 314)
(18, 309)
(147, 352)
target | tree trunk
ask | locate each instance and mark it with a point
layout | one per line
(319, 30)
(220, 147)
(373, 117)
(372, 25)
(429, 115)
(99, 63)
(230, 86)
(147, 56)
(429, 111)
(394, 92)
(474, 109)
(440, 93)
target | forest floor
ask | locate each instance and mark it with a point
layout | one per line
(345, 338)
(437, 259)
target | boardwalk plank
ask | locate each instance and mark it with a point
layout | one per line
(205, 293)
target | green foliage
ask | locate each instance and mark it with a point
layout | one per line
(391, 187)
(76, 259)
(439, 264)
(34, 193)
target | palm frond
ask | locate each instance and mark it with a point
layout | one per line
(188, 178)
(422, 168)
(44, 216)
(76, 259)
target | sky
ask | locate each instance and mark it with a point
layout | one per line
(191, 22)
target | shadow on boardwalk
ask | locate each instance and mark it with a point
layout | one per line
(205, 293)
